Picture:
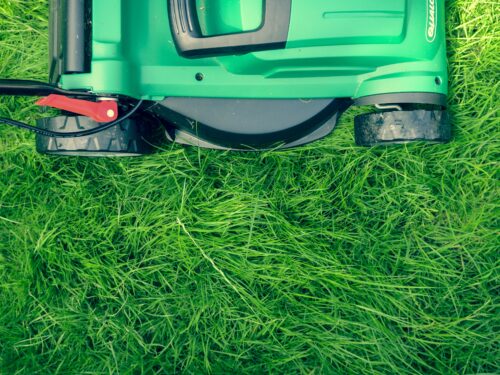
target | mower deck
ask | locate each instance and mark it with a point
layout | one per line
(255, 74)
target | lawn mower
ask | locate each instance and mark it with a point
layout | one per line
(238, 74)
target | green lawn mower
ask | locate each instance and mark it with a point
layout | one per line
(238, 74)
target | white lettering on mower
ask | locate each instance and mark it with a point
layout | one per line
(431, 20)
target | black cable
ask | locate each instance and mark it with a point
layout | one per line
(78, 134)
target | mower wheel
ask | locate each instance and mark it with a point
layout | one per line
(125, 139)
(397, 127)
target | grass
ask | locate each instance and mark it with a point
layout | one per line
(325, 259)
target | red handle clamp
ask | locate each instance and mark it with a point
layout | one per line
(104, 111)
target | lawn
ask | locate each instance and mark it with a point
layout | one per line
(320, 260)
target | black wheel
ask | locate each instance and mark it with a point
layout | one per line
(402, 127)
(129, 138)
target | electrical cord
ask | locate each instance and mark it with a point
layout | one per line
(78, 134)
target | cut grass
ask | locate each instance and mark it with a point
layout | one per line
(325, 259)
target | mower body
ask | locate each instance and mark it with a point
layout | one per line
(334, 49)
(236, 73)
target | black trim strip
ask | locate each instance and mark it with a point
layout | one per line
(70, 37)
(77, 36)
(404, 98)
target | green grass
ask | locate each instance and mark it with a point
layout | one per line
(325, 259)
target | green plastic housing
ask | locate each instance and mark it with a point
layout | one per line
(335, 49)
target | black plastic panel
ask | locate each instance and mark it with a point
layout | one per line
(191, 42)
(248, 123)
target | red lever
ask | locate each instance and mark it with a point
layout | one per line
(104, 111)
